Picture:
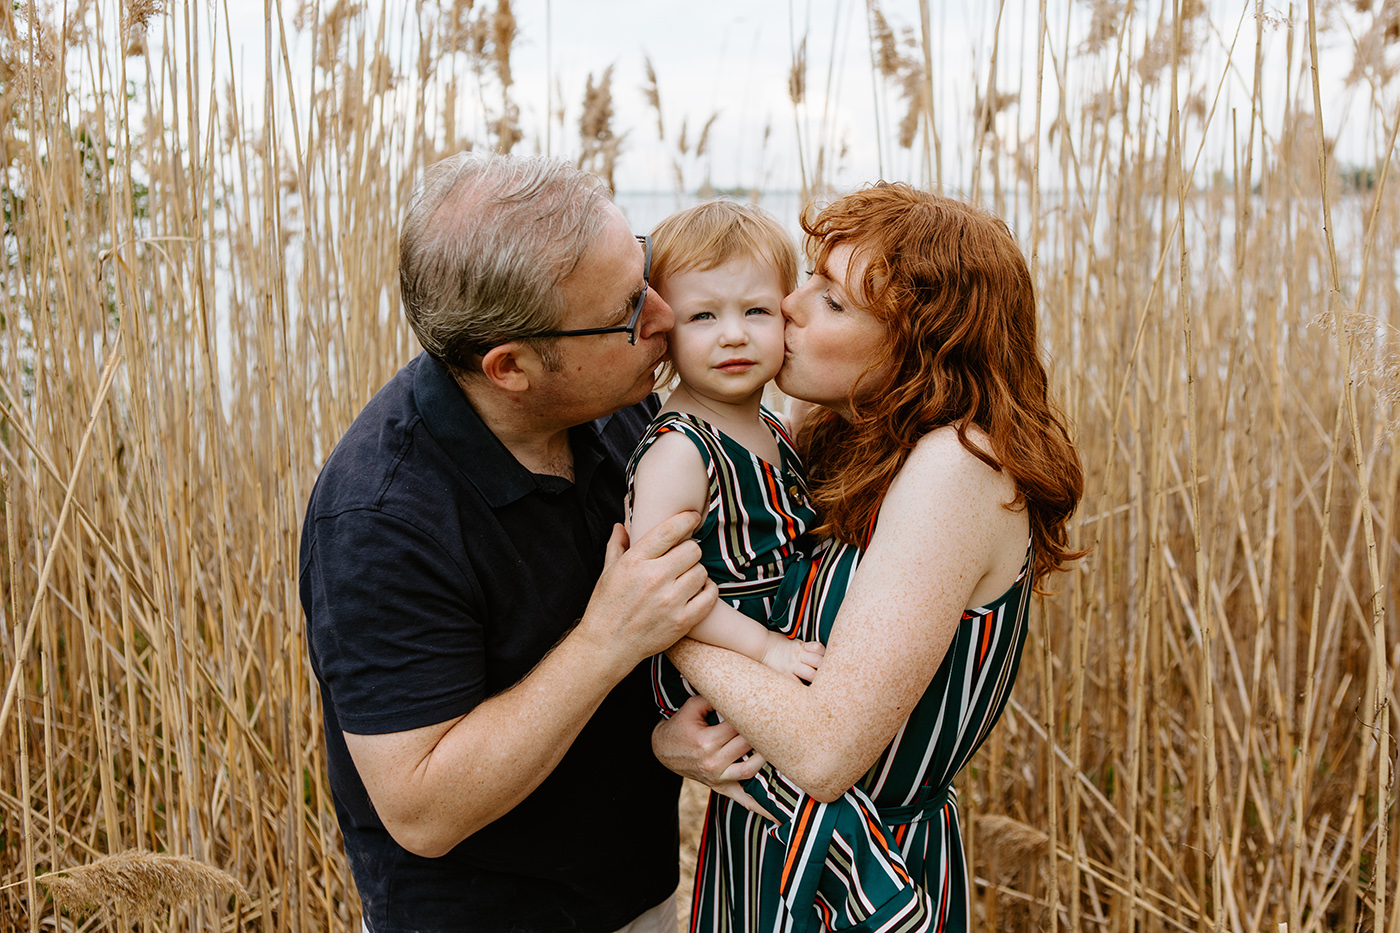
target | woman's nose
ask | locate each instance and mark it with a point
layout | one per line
(789, 305)
(657, 316)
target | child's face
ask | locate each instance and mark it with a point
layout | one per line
(727, 342)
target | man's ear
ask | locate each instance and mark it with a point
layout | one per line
(511, 366)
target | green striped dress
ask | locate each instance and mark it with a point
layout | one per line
(812, 872)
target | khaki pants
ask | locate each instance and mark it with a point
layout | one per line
(660, 919)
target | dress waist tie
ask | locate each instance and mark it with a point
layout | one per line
(930, 802)
(813, 824)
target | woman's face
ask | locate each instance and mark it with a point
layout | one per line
(829, 341)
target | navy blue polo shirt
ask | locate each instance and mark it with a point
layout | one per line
(435, 572)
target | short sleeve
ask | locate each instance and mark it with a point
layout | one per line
(672, 422)
(394, 624)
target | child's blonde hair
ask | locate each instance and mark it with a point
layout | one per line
(711, 234)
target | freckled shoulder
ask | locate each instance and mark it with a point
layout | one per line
(940, 466)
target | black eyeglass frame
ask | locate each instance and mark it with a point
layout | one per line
(630, 328)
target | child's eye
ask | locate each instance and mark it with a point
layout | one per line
(758, 311)
(702, 316)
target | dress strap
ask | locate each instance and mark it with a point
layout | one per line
(708, 446)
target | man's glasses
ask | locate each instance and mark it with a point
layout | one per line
(630, 328)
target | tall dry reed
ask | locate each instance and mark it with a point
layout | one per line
(197, 293)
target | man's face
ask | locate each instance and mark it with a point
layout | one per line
(601, 373)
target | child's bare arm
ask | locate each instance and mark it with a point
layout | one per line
(670, 479)
(727, 627)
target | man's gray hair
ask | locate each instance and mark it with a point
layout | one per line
(485, 242)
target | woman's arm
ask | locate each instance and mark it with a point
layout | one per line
(943, 542)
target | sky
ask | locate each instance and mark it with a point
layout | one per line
(732, 59)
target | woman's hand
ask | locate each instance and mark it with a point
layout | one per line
(712, 755)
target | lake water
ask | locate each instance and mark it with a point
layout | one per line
(644, 209)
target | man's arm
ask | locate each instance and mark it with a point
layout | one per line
(435, 786)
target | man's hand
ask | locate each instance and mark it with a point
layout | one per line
(649, 595)
(693, 748)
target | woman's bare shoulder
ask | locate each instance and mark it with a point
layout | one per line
(940, 463)
(947, 501)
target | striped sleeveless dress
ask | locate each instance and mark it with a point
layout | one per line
(812, 872)
(757, 514)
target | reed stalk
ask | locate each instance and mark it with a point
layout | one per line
(197, 294)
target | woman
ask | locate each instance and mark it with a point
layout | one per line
(945, 480)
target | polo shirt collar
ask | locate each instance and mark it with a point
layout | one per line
(477, 452)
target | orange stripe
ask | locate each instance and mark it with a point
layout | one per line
(870, 529)
(775, 496)
(695, 899)
(806, 597)
(876, 831)
(799, 829)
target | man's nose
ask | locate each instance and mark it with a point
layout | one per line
(657, 316)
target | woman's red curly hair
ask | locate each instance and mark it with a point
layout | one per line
(952, 288)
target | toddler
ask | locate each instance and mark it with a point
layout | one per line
(724, 268)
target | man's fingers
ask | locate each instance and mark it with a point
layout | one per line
(744, 799)
(734, 748)
(692, 582)
(617, 544)
(704, 599)
(697, 706)
(667, 535)
(743, 770)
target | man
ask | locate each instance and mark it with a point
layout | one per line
(474, 616)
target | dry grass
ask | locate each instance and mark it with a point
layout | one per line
(197, 294)
(143, 883)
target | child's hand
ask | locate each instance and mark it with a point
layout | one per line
(790, 656)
